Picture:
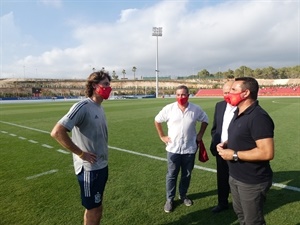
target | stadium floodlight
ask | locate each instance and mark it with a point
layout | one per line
(157, 32)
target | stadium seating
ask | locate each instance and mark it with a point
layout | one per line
(273, 91)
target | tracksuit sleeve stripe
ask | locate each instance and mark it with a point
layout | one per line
(76, 109)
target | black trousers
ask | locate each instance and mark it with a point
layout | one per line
(222, 181)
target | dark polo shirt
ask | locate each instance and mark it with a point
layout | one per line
(251, 125)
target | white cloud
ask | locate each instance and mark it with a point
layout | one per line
(223, 36)
(12, 40)
(125, 14)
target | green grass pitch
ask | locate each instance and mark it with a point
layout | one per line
(38, 185)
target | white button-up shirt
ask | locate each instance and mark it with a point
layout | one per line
(181, 126)
(228, 115)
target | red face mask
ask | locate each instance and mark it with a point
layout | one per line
(227, 98)
(235, 99)
(104, 92)
(182, 101)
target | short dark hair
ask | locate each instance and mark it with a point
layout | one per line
(251, 84)
(183, 87)
(95, 78)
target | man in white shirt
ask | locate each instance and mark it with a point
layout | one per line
(222, 117)
(181, 143)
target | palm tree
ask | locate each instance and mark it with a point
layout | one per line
(114, 75)
(133, 70)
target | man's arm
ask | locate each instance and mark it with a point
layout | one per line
(161, 133)
(201, 131)
(60, 134)
(214, 125)
(263, 151)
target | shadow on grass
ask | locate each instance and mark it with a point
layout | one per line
(279, 197)
(292, 178)
(276, 198)
(204, 216)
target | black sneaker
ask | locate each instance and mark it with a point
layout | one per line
(219, 208)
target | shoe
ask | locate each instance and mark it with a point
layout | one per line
(168, 206)
(186, 201)
(219, 208)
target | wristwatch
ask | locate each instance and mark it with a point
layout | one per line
(235, 156)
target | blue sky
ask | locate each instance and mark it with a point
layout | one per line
(66, 39)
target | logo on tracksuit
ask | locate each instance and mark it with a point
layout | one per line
(97, 198)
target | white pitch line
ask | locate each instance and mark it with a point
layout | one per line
(41, 174)
(204, 168)
(283, 186)
(138, 153)
(47, 146)
(14, 135)
(4, 132)
(23, 138)
(32, 141)
(158, 158)
(63, 151)
(28, 128)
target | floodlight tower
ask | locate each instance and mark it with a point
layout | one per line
(157, 32)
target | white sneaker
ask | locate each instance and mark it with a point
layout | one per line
(168, 206)
(185, 200)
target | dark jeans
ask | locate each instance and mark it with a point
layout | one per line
(248, 201)
(176, 162)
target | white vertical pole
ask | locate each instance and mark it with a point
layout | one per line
(156, 91)
(157, 31)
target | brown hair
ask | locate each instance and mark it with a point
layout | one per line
(183, 87)
(95, 78)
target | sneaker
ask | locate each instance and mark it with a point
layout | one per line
(186, 201)
(168, 206)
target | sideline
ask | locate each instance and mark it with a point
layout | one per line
(41, 174)
(278, 185)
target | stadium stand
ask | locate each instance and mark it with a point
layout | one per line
(272, 91)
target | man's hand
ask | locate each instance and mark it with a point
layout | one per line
(165, 139)
(224, 152)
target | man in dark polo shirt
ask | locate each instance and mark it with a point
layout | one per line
(249, 149)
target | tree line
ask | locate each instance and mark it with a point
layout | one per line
(244, 71)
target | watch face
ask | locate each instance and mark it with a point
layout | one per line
(235, 157)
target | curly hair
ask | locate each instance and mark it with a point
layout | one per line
(95, 78)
